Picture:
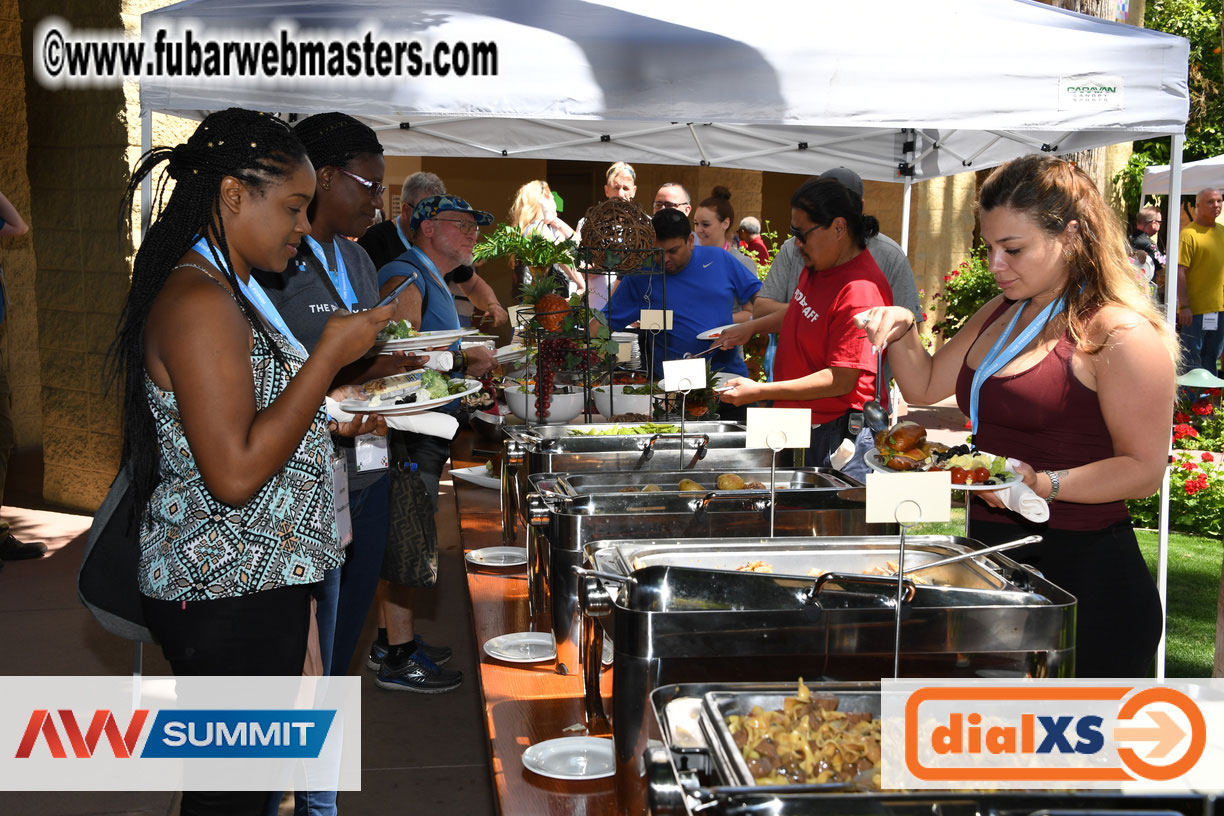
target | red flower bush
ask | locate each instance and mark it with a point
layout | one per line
(1189, 466)
(1202, 408)
(1196, 484)
(1183, 431)
(1207, 457)
(1181, 417)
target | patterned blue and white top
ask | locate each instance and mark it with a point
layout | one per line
(194, 547)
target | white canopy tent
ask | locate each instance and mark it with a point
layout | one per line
(799, 88)
(1195, 176)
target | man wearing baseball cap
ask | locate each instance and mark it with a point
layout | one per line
(446, 228)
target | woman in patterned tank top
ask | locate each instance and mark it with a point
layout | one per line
(1084, 404)
(223, 428)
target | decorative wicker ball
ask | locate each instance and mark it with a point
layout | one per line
(622, 231)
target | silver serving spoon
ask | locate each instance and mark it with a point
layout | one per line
(873, 412)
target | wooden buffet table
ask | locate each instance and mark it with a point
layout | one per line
(524, 703)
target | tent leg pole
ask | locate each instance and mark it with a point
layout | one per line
(1162, 571)
(906, 202)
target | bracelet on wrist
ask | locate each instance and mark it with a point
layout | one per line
(461, 361)
(1054, 477)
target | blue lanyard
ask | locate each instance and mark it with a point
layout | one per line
(998, 356)
(339, 277)
(403, 238)
(254, 293)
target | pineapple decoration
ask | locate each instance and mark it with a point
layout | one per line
(550, 308)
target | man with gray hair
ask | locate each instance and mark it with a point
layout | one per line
(1200, 283)
(749, 233)
(1147, 224)
(387, 241)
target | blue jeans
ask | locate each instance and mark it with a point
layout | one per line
(344, 598)
(1202, 347)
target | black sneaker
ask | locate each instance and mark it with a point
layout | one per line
(378, 653)
(14, 549)
(417, 672)
(438, 654)
(379, 648)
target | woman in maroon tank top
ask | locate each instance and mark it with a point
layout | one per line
(1084, 404)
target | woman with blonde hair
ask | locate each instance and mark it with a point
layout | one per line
(534, 211)
(1070, 371)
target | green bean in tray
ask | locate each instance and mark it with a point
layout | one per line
(629, 430)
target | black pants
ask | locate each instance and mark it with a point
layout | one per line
(1118, 614)
(263, 634)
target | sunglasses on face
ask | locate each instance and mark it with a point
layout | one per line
(375, 189)
(801, 235)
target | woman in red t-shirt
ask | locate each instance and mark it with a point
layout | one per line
(823, 361)
(1071, 371)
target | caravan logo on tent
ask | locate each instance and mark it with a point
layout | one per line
(1095, 92)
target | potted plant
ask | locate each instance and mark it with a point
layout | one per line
(534, 250)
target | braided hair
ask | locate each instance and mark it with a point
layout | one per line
(254, 148)
(333, 140)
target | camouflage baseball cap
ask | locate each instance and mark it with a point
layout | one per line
(428, 208)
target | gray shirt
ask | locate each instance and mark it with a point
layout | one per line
(784, 273)
(788, 263)
(305, 301)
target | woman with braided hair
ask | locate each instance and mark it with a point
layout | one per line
(224, 431)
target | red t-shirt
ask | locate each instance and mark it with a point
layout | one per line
(819, 332)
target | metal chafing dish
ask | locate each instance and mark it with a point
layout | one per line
(698, 769)
(617, 481)
(678, 614)
(562, 524)
(553, 449)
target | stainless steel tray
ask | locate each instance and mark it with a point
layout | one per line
(578, 484)
(565, 432)
(718, 706)
(799, 557)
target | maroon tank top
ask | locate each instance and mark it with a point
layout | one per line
(1047, 418)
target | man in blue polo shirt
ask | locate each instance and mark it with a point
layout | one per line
(703, 286)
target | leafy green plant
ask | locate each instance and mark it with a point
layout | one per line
(534, 249)
(967, 288)
(1196, 496)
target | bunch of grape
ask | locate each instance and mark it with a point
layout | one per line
(552, 358)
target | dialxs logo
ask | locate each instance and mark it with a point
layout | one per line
(183, 733)
(122, 744)
(1039, 733)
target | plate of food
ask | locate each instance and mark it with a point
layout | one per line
(432, 391)
(715, 333)
(401, 336)
(904, 448)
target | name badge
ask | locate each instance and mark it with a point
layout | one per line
(371, 453)
(340, 487)
(1211, 321)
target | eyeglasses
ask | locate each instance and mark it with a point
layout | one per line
(466, 227)
(669, 205)
(375, 189)
(801, 235)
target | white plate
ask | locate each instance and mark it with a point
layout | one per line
(389, 408)
(477, 475)
(522, 647)
(572, 758)
(425, 340)
(713, 334)
(510, 353)
(498, 556)
(875, 463)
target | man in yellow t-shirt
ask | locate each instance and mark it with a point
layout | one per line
(1200, 283)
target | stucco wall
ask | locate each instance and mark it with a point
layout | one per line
(20, 341)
